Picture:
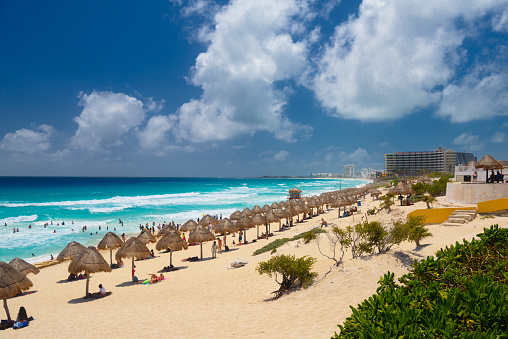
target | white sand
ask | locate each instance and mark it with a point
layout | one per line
(208, 299)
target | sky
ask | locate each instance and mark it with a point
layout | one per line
(246, 88)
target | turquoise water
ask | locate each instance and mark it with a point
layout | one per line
(94, 202)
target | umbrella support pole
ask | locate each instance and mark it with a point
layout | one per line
(7, 310)
(111, 255)
(201, 245)
(257, 227)
(170, 258)
(87, 284)
(267, 231)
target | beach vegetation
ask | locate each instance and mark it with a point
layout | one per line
(460, 293)
(428, 200)
(420, 188)
(438, 188)
(416, 230)
(290, 273)
(279, 242)
(387, 201)
(416, 198)
(336, 236)
(309, 235)
(372, 211)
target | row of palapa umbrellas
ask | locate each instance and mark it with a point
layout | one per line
(13, 278)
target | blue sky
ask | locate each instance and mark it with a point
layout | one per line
(247, 88)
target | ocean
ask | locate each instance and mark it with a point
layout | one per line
(68, 204)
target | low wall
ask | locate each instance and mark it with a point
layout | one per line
(493, 205)
(475, 192)
(436, 215)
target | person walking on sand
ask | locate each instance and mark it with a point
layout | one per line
(240, 237)
(214, 250)
(220, 245)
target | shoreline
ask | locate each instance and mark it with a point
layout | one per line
(202, 289)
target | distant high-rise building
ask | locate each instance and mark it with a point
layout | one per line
(349, 171)
(415, 163)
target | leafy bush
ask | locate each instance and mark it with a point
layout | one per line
(416, 230)
(371, 211)
(387, 201)
(308, 236)
(279, 242)
(416, 198)
(461, 293)
(420, 187)
(295, 272)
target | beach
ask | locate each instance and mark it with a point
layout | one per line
(210, 298)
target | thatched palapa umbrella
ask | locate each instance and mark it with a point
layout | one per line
(110, 240)
(166, 229)
(146, 237)
(90, 261)
(11, 283)
(189, 226)
(243, 224)
(488, 163)
(201, 234)
(23, 266)
(173, 242)
(225, 226)
(247, 211)
(269, 218)
(236, 215)
(72, 250)
(133, 248)
(207, 220)
(257, 220)
(256, 210)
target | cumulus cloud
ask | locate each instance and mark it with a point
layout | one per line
(249, 51)
(105, 119)
(478, 96)
(469, 141)
(153, 136)
(282, 155)
(394, 57)
(360, 155)
(28, 141)
(499, 137)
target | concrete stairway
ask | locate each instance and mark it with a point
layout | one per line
(460, 217)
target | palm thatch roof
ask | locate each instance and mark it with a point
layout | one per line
(171, 241)
(488, 162)
(244, 223)
(266, 208)
(72, 250)
(188, 226)
(225, 226)
(236, 215)
(271, 217)
(90, 261)
(132, 248)
(274, 205)
(247, 211)
(295, 190)
(11, 283)
(207, 220)
(258, 219)
(200, 234)
(401, 189)
(256, 209)
(146, 237)
(167, 229)
(23, 266)
(111, 240)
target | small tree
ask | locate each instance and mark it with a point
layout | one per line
(428, 200)
(387, 201)
(336, 236)
(420, 187)
(416, 229)
(295, 272)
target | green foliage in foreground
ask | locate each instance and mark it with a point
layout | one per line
(295, 272)
(279, 242)
(463, 292)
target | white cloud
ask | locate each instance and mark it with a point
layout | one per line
(499, 137)
(469, 141)
(358, 156)
(105, 119)
(281, 155)
(393, 58)
(27, 140)
(250, 50)
(478, 96)
(153, 137)
(500, 21)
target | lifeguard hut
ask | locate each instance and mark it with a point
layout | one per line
(294, 193)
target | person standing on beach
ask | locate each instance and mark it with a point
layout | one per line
(220, 246)
(214, 250)
(240, 237)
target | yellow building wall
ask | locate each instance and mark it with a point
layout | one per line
(437, 215)
(493, 205)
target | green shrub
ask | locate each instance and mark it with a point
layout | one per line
(279, 242)
(460, 293)
(295, 272)
(416, 230)
(416, 198)
(308, 236)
